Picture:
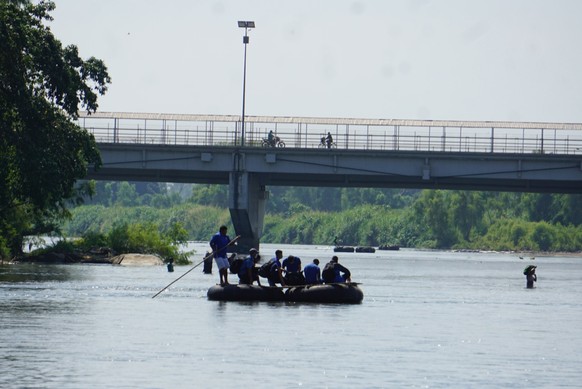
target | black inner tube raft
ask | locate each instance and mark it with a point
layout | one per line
(340, 293)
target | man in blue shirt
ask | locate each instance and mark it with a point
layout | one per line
(292, 264)
(248, 273)
(292, 268)
(219, 243)
(312, 273)
(276, 273)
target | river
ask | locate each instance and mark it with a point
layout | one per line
(429, 319)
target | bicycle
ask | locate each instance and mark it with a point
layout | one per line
(276, 142)
(324, 145)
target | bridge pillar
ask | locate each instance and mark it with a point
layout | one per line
(247, 198)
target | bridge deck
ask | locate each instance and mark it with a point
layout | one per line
(348, 134)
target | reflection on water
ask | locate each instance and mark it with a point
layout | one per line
(428, 319)
(32, 273)
(33, 291)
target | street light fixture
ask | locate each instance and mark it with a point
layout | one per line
(246, 25)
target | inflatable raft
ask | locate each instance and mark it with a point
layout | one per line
(343, 249)
(340, 293)
(386, 247)
(365, 249)
(235, 292)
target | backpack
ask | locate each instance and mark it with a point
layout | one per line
(235, 265)
(265, 269)
(294, 279)
(328, 273)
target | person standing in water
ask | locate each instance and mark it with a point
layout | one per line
(530, 276)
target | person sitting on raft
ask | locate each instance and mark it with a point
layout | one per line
(292, 268)
(312, 273)
(333, 272)
(276, 271)
(248, 273)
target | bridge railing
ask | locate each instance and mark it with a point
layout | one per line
(555, 138)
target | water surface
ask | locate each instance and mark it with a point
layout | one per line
(429, 319)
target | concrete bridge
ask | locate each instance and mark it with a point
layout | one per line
(495, 156)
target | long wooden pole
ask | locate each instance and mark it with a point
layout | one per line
(195, 266)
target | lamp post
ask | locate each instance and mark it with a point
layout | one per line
(246, 25)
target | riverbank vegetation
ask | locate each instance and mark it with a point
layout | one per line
(138, 237)
(408, 218)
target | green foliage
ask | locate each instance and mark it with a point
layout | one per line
(544, 235)
(436, 219)
(4, 250)
(195, 223)
(43, 153)
(432, 209)
(145, 238)
(519, 235)
(364, 225)
(133, 194)
(568, 209)
(126, 194)
(507, 235)
(540, 206)
(211, 195)
(335, 199)
(92, 239)
(61, 246)
(118, 238)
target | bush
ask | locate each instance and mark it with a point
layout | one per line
(4, 250)
(92, 239)
(544, 235)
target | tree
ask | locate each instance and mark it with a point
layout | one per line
(569, 208)
(214, 195)
(540, 206)
(467, 212)
(126, 194)
(432, 209)
(42, 151)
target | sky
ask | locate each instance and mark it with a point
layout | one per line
(516, 60)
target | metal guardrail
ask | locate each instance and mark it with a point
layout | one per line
(355, 134)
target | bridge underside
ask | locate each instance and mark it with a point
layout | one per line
(351, 181)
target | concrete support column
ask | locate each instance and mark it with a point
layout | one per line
(247, 198)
